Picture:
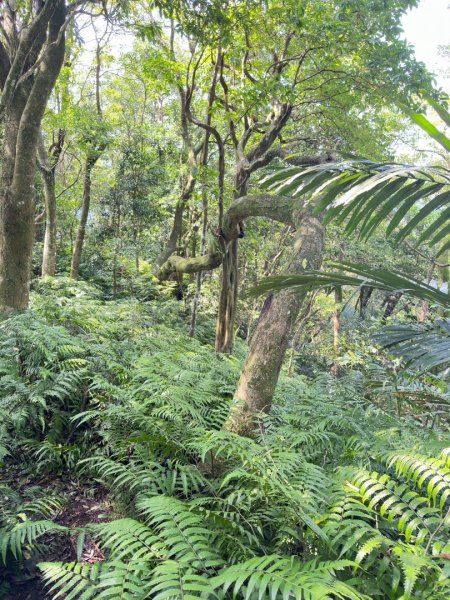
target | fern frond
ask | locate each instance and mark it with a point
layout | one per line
(172, 580)
(183, 532)
(123, 581)
(396, 502)
(273, 575)
(422, 470)
(412, 565)
(129, 539)
(24, 535)
(71, 580)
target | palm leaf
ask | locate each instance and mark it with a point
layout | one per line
(354, 275)
(421, 346)
(361, 194)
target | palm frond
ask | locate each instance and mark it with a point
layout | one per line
(362, 194)
(423, 347)
(355, 275)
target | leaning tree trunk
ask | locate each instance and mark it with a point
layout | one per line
(261, 369)
(79, 240)
(26, 87)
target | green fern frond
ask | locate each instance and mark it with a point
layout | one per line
(129, 539)
(71, 581)
(48, 507)
(412, 565)
(422, 470)
(172, 580)
(123, 581)
(183, 532)
(396, 502)
(24, 535)
(273, 575)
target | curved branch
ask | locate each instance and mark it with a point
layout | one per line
(277, 208)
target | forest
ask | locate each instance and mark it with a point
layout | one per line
(224, 302)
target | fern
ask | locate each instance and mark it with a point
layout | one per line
(71, 580)
(24, 535)
(394, 502)
(287, 576)
(432, 472)
(122, 581)
(114, 580)
(173, 580)
(183, 532)
(130, 539)
(336, 497)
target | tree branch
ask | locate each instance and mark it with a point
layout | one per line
(277, 208)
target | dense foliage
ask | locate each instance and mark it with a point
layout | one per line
(335, 497)
(166, 433)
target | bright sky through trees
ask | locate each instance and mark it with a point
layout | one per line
(427, 27)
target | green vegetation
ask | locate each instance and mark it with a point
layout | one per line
(334, 496)
(224, 335)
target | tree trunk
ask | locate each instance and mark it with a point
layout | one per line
(261, 369)
(23, 102)
(230, 274)
(79, 240)
(424, 306)
(200, 274)
(390, 302)
(48, 170)
(17, 228)
(228, 300)
(49, 253)
(365, 294)
(335, 369)
(336, 330)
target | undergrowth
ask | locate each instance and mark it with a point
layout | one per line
(334, 497)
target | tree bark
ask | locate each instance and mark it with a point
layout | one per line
(228, 300)
(261, 369)
(200, 274)
(278, 208)
(49, 253)
(48, 170)
(365, 294)
(425, 305)
(79, 240)
(26, 87)
(390, 302)
(336, 319)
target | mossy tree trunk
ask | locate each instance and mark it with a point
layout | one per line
(31, 58)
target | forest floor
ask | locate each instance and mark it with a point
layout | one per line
(79, 509)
